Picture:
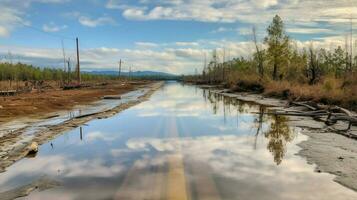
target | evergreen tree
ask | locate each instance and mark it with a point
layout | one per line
(278, 45)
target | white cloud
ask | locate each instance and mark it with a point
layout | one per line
(52, 27)
(113, 4)
(87, 21)
(166, 57)
(258, 12)
(188, 53)
(12, 14)
(4, 32)
(308, 30)
(187, 44)
(9, 19)
(265, 3)
(222, 30)
(97, 135)
(146, 44)
(245, 31)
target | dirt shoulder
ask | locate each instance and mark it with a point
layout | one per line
(330, 150)
(36, 104)
(12, 154)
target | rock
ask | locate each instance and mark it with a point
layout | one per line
(1, 107)
(33, 148)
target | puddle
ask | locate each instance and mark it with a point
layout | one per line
(183, 143)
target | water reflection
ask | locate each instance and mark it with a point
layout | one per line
(81, 133)
(278, 135)
(213, 147)
(277, 131)
(259, 120)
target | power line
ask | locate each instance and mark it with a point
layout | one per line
(44, 32)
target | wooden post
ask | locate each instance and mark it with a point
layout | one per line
(78, 66)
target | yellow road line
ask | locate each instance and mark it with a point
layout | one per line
(176, 178)
(176, 174)
(204, 185)
(138, 183)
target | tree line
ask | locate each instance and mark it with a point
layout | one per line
(13, 74)
(281, 59)
(20, 72)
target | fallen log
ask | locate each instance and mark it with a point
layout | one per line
(342, 110)
(295, 114)
(304, 104)
(333, 118)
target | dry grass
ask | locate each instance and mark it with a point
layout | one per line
(329, 91)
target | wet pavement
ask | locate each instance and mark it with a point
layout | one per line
(183, 143)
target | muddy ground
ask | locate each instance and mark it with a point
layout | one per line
(35, 103)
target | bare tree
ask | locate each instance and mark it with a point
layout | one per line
(313, 69)
(259, 53)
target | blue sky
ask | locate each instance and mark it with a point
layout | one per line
(160, 35)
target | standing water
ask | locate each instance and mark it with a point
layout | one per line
(183, 143)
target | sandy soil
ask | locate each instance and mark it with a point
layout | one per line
(332, 153)
(37, 103)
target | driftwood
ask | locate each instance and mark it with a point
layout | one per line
(348, 116)
(302, 114)
(334, 114)
(304, 104)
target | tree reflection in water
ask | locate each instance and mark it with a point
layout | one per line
(276, 131)
(278, 135)
(261, 118)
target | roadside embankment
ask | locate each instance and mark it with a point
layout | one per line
(329, 91)
(37, 104)
(14, 146)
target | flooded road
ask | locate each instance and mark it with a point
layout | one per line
(183, 143)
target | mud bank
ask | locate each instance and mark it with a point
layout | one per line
(14, 147)
(330, 150)
(37, 104)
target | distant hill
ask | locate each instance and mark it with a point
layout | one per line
(134, 74)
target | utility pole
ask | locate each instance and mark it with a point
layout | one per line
(223, 65)
(78, 66)
(351, 44)
(68, 70)
(10, 56)
(204, 67)
(119, 68)
(64, 56)
(130, 73)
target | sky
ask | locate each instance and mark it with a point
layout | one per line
(160, 35)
